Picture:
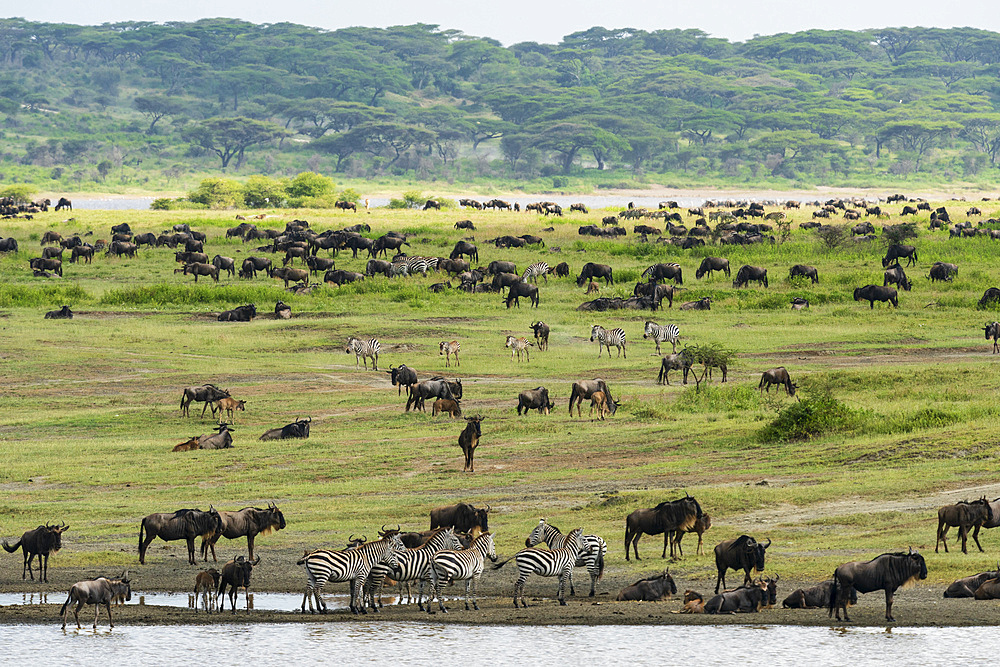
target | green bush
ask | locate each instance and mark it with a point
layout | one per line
(308, 184)
(218, 193)
(179, 204)
(21, 192)
(810, 418)
(412, 199)
(264, 192)
(13, 296)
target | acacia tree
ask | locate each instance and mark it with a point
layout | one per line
(230, 137)
(156, 107)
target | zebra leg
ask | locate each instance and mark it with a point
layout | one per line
(474, 585)
(468, 593)
(562, 587)
(571, 591)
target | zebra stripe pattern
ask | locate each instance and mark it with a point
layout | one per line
(591, 555)
(462, 565)
(649, 270)
(449, 348)
(352, 565)
(364, 349)
(608, 338)
(416, 264)
(535, 270)
(668, 333)
(547, 563)
(411, 565)
(518, 344)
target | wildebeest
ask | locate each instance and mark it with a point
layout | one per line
(748, 598)
(710, 264)
(992, 330)
(886, 572)
(40, 541)
(669, 271)
(988, 590)
(288, 274)
(803, 271)
(519, 289)
(873, 293)
(748, 273)
(100, 591)
(186, 524)
(85, 251)
(894, 275)
(199, 269)
(433, 388)
(221, 439)
(681, 361)
(532, 399)
(236, 574)
(207, 393)
(247, 522)
(665, 518)
(8, 244)
(541, 330)
(463, 517)
(700, 526)
(297, 429)
(592, 270)
(282, 311)
(496, 267)
(650, 589)
(468, 440)
(897, 251)
(704, 303)
(402, 376)
(967, 586)
(991, 295)
(445, 405)
(465, 248)
(205, 584)
(230, 405)
(64, 204)
(561, 270)
(816, 597)
(46, 264)
(943, 271)
(584, 389)
(965, 515)
(742, 553)
(798, 303)
(656, 292)
(63, 313)
(239, 314)
(251, 265)
(778, 376)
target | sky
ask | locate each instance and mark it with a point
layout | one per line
(545, 21)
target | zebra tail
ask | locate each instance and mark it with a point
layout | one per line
(600, 563)
(497, 566)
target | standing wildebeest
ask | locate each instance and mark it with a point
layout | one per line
(803, 271)
(236, 574)
(896, 251)
(468, 440)
(465, 248)
(777, 376)
(248, 522)
(681, 361)
(100, 591)
(463, 517)
(402, 376)
(199, 269)
(64, 203)
(748, 273)
(670, 271)
(41, 541)
(965, 515)
(537, 398)
(561, 270)
(817, 597)
(436, 387)
(943, 271)
(703, 523)
(710, 264)
(205, 584)
(297, 429)
(63, 313)
(665, 518)
(967, 586)
(207, 393)
(584, 389)
(519, 289)
(591, 271)
(650, 589)
(180, 525)
(541, 330)
(992, 330)
(873, 293)
(894, 275)
(991, 295)
(887, 572)
(743, 553)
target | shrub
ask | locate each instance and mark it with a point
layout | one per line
(412, 199)
(21, 192)
(218, 193)
(310, 184)
(261, 192)
(810, 418)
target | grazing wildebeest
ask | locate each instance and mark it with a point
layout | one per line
(463, 517)
(584, 389)
(465, 248)
(519, 289)
(650, 589)
(436, 387)
(41, 542)
(886, 572)
(591, 271)
(541, 330)
(778, 376)
(561, 270)
(748, 273)
(967, 586)
(681, 361)
(236, 574)
(64, 204)
(46, 264)
(205, 584)
(665, 518)
(742, 553)
(873, 293)
(537, 398)
(184, 524)
(803, 271)
(817, 597)
(468, 440)
(63, 313)
(297, 429)
(207, 393)
(402, 376)
(710, 264)
(748, 598)
(703, 523)
(247, 522)
(896, 251)
(894, 275)
(100, 591)
(991, 295)
(943, 271)
(965, 515)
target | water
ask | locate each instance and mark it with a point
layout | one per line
(116, 204)
(260, 601)
(428, 644)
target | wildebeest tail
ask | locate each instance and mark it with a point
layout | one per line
(11, 549)
(142, 527)
(833, 594)
(69, 598)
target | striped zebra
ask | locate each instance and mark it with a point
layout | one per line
(547, 563)
(518, 344)
(416, 264)
(465, 564)
(352, 565)
(535, 270)
(397, 269)
(591, 556)
(363, 349)
(608, 338)
(411, 565)
(449, 349)
(668, 333)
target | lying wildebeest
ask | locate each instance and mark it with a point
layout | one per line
(650, 589)
(541, 330)
(748, 273)
(748, 598)
(239, 314)
(463, 517)
(297, 429)
(583, 390)
(100, 591)
(803, 271)
(896, 252)
(817, 597)
(988, 590)
(965, 515)
(873, 293)
(886, 572)
(665, 518)
(710, 264)
(248, 522)
(798, 303)
(943, 271)
(967, 586)
(705, 303)
(532, 399)
(207, 393)
(184, 524)
(402, 376)
(282, 311)
(63, 313)
(778, 376)
(236, 574)
(221, 439)
(742, 553)
(434, 388)
(41, 542)
(468, 440)
(894, 275)
(591, 271)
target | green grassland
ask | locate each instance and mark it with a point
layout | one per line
(89, 407)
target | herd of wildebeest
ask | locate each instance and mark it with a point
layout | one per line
(459, 542)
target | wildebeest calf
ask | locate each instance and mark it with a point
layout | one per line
(446, 405)
(468, 440)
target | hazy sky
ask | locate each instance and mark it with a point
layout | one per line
(537, 20)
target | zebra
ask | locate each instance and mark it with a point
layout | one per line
(535, 270)
(518, 344)
(465, 564)
(411, 565)
(352, 565)
(397, 269)
(591, 555)
(609, 338)
(417, 264)
(547, 563)
(668, 333)
(448, 349)
(363, 349)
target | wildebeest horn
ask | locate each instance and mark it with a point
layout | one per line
(351, 538)
(383, 528)
(488, 508)
(256, 561)
(364, 538)
(768, 543)
(911, 550)
(398, 527)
